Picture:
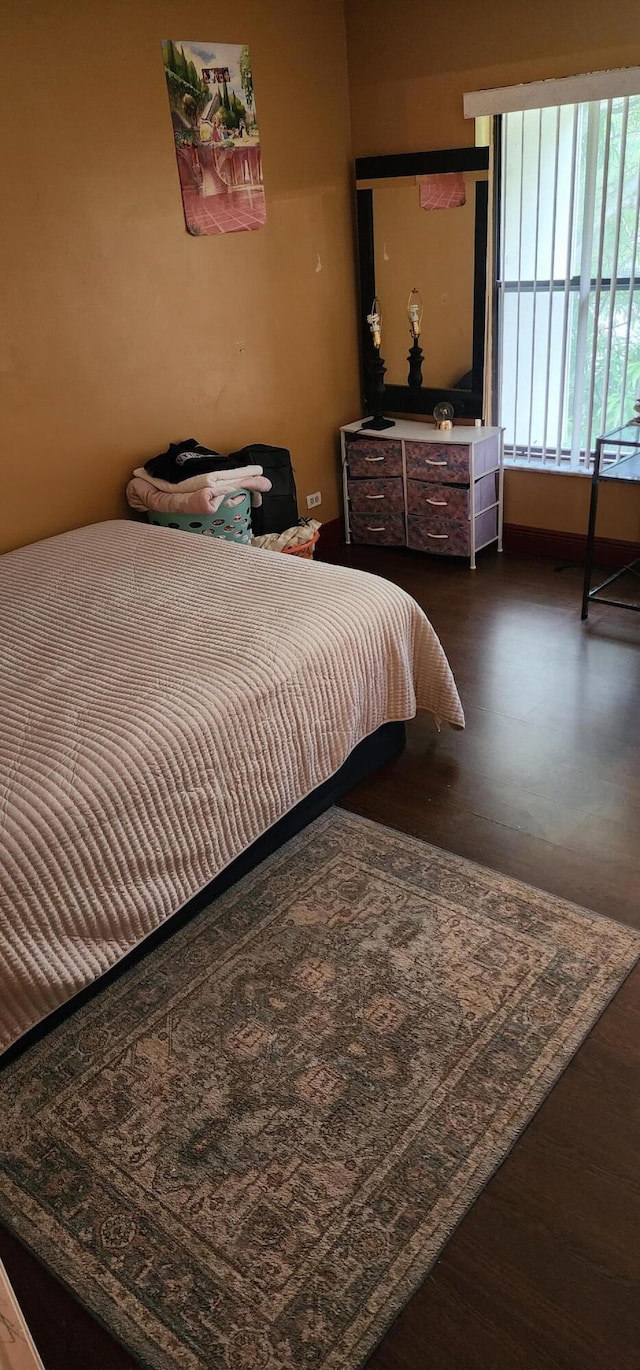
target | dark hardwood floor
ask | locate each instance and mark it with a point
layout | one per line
(544, 785)
(544, 1272)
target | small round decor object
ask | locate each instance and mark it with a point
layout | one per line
(443, 414)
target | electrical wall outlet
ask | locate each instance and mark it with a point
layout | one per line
(314, 500)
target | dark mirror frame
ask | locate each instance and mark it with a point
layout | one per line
(403, 399)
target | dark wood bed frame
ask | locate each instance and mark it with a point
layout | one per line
(370, 754)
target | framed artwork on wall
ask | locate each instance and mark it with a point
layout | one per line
(216, 136)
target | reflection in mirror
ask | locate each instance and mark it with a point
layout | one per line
(441, 253)
(432, 251)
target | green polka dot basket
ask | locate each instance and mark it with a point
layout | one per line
(231, 521)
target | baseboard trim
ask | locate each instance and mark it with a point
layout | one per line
(550, 542)
(522, 541)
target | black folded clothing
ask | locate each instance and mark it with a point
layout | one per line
(185, 459)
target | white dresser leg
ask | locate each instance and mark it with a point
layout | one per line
(501, 491)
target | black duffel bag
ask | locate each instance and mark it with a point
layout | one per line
(279, 508)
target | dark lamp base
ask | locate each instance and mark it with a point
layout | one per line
(378, 423)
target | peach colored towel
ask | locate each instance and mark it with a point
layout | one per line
(141, 494)
(215, 480)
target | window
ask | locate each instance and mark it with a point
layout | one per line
(568, 289)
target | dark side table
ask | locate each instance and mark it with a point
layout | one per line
(624, 465)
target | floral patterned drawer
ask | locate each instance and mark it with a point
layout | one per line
(377, 496)
(379, 528)
(448, 535)
(369, 457)
(438, 461)
(440, 501)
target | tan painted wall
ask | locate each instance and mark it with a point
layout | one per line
(409, 66)
(121, 332)
(561, 502)
(411, 62)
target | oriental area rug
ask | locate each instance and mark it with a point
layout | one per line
(247, 1151)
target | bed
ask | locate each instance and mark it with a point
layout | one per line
(166, 700)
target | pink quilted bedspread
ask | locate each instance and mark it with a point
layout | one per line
(164, 699)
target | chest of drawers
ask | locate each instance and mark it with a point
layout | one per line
(415, 486)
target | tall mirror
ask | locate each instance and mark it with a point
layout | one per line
(422, 227)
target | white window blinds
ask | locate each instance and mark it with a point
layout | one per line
(568, 287)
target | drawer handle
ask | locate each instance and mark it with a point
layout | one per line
(439, 535)
(437, 501)
(375, 530)
(375, 496)
(374, 458)
(435, 463)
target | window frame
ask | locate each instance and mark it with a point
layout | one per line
(574, 460)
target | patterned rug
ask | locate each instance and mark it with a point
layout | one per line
(249, 1149)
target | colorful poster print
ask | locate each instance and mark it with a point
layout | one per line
(443, 190)
(216, 136)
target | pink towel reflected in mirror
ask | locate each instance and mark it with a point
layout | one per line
(446, 190)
